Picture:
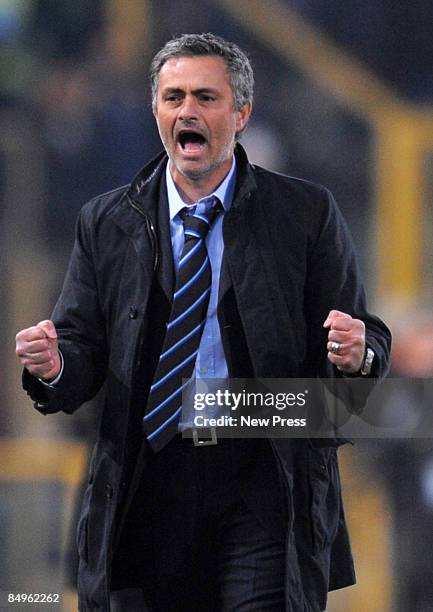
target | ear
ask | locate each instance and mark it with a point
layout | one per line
(243, 117)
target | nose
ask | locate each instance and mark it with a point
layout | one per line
(189, 109)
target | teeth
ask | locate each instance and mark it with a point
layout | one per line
(192, 146)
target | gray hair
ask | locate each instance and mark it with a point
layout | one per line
(238, 65)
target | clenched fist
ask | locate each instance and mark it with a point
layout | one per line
(37, 350)
(346, 341)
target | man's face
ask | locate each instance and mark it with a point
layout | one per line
(196, 118)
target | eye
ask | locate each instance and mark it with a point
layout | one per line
(172, 98)
(206, 97)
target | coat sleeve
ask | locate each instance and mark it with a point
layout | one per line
(80, 327)
(334, 282)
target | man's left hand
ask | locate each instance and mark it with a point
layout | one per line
(346, 341)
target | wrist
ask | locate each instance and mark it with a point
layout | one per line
(54, 375)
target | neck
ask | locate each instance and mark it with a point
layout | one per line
(193, 189)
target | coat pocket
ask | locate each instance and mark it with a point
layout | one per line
(82, 539)
(82, 527)
(324, 482)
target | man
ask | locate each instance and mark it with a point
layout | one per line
(235, 524)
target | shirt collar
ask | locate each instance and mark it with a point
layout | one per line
(224, 192)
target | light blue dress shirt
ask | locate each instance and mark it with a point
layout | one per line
(211, 362)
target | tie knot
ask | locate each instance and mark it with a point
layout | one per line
(197, 225)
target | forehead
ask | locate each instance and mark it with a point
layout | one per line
(194, 72)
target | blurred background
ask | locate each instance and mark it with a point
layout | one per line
(344, 97)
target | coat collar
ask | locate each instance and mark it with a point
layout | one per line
(145, 188)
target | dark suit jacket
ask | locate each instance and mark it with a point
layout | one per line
(288, 260)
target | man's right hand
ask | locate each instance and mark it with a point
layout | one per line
(37, 350)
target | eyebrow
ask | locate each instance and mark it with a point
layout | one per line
(195, 92)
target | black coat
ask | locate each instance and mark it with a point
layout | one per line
(288, 260)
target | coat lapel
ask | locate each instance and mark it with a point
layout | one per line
(150, 227)
(165, 271)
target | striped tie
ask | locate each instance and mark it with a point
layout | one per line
(184, 330)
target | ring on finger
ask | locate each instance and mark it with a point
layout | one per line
(335, 348)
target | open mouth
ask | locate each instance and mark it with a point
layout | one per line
(191, 142)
